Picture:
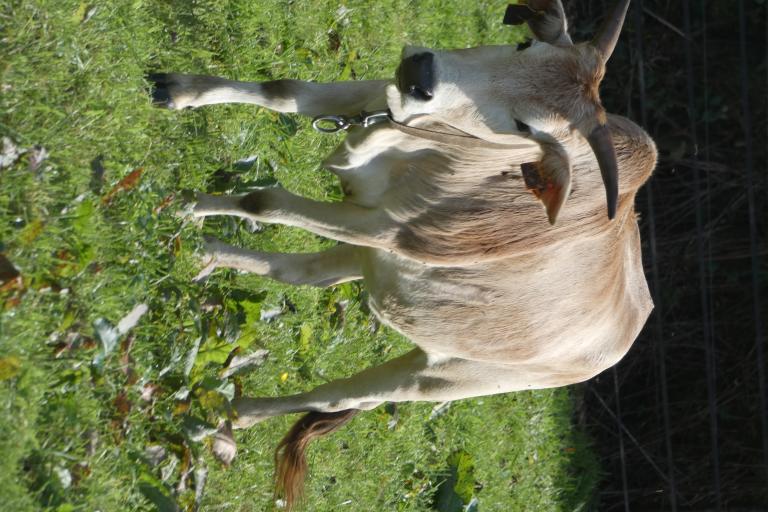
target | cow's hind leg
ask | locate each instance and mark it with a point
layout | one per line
(336, 265)
(178, 91)
(415, 376)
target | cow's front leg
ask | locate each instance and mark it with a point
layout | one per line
(178, 91)
(336, 265)
(341, 221)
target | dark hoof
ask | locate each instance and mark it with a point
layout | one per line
(161, 96)
(186, 201)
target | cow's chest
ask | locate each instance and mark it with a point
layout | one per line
(375, 161)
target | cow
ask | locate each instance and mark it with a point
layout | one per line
(473, 211)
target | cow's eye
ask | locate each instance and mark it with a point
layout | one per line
(521, 126)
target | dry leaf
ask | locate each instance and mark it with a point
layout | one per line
(201, 477)
(240, 364)
(80, 471)
(224, 446)
(131, 377)
(30, 232)
(122, 405)
(7, 270)
(92, 436)
(155, 454)
(148, 391)
(197, 429)
(89, 14)
(13, 284)
(11, 303)
(89, 344)
(130, 320)
(235, 351)
(37, 156)
(167, 200)
(126, 361)
(334, 40)
(213, 401)
(124, 184)
(97, 174)
(270, 314)
(185, 468)
(64, 476)
(59, 348)
(110, 335)
(10, 153)
(10, 366)
(180, 407)
(439, 410)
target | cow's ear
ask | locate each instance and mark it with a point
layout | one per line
(549, 180)
(546, 18)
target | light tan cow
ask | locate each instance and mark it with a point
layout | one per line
(443, 220)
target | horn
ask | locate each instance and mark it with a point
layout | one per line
(602, 145)
(608, 35)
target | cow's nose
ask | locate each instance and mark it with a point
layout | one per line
(416, 76)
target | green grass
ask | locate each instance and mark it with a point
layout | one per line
(73, 432)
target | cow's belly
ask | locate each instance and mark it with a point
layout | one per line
(533, 309)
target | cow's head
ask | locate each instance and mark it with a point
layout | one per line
(546, 91)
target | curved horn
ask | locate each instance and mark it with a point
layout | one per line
(602, 145)
(608, 35)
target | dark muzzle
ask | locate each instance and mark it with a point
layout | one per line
(416, 76)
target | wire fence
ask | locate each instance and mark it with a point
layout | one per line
(683, 420)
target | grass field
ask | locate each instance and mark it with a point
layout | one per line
(91, 419)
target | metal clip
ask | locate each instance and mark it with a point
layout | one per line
(320, 123)
(333, 124)
(371, 118)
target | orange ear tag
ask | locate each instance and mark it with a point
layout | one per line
(546, 187)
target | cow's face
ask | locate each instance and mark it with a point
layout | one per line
(500, 89)
(545, 91)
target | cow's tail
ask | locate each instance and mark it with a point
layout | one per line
(290, 461)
